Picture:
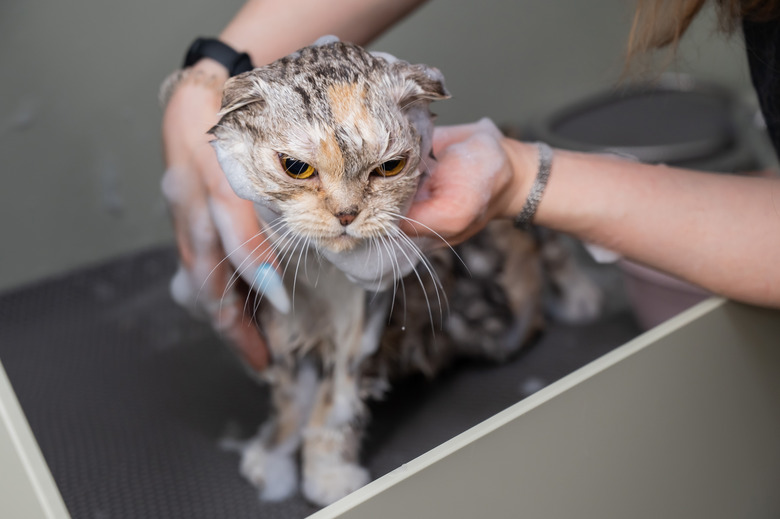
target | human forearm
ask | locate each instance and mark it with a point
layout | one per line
(269, 29)
(719, 231)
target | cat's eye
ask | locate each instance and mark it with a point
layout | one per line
(390, 168)
(296, 168)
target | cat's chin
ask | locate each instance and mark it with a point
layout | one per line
(342, 243)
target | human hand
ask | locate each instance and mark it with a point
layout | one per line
(217, 234)
(477, 177)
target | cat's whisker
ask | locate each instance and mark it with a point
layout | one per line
(400, 248)
(417, 222)
(379, 278)
(437, 285)
(309, 247)
(252, 261)
(226, 258)
(397, 278)
(277, 249)
(225, 290)
(250, 256)
(297, 268)
(236, 274)
(280, 250)
(423, 258)
(240, 269)
(300, 241)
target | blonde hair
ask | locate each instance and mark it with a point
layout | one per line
(659, 24)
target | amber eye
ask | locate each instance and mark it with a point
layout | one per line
(391, 167)
(296, 168)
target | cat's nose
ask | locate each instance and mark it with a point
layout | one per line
(346, 217)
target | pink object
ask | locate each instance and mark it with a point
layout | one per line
(655, 296)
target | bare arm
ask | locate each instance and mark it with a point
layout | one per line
(721, 232)
(718, 231)
(268, 30)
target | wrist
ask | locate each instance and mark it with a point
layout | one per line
(206, 78)
(524, 164)
(207, 67)
(208, 63)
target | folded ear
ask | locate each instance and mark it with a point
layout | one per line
(240, 91)
(422, 83)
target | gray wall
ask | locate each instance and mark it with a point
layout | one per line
(79, 121)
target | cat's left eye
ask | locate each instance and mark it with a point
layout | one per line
(390, 168)
(296, 168)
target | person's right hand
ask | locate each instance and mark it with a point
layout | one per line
(477, 177)
(217, 233)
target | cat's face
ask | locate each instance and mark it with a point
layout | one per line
(331, 141)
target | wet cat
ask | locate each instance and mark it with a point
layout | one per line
(332, 143)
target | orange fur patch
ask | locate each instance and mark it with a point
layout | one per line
(347, 102)
(329, 156)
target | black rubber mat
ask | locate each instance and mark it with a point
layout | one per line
(129, 397)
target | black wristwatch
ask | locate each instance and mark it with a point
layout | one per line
(235, 62)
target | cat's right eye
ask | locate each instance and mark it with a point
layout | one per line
(390, 168)
(296, 168)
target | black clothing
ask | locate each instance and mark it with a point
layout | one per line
(762, 40)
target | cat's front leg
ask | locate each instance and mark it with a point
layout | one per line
(333, 435)
(332, 443)
(268, 460)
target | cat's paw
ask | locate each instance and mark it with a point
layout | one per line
(325, 483)
(581, 301)
(274, 473)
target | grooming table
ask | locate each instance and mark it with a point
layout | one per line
(128, 397)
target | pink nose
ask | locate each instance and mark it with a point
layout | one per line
(347, 217)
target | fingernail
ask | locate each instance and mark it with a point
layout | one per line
(269, 283)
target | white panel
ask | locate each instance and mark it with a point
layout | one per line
(683, 421)
(27, 490)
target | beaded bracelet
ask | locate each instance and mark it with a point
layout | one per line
(524, 218)
(187, 75)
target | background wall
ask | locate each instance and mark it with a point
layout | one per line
(79, 121)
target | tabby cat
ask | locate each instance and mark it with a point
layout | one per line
(332, 143)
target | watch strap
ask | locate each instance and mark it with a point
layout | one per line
(235, 62)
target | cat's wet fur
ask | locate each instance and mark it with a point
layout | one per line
(345, 111)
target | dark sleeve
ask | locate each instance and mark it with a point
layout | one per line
(761, 42)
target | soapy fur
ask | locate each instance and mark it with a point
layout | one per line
(369, 304)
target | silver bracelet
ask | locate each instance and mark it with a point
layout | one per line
(524, 219)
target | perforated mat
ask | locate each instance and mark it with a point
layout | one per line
(129, 397)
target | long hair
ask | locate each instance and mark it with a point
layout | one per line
(659, 24)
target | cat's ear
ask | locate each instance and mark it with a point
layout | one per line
(240, 91)
(422, 83)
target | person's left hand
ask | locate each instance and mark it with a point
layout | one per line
(218, 234)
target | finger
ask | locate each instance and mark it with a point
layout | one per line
(179, 193)
(444, 216)
(445, 136)
(252, 256)
(205, 283)
(223, 297)
(459, 190)
(230, 321)
(250, 250)
(463, 186)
